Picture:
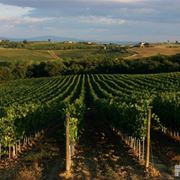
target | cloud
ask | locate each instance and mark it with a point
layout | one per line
(100, 20)
(89, 20)
(23, 20)
(54, 3)
(19, 15)
(14, 11)
(126, 19)
(116, 1)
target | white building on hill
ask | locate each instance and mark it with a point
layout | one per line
(142, 44)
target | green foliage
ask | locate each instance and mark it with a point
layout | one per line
(5, 74)
(75, 112)
(11, 44)
(9, 132)
(129, 117)
(167, 107)
(122, 101)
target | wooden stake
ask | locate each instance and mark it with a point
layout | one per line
(134, 144)
(9, 152)
(143, 150)
(139, 144)
(68, 160)
(19, 146)
(148, 139)
(0, 151)
(13, 151)
(72, 149)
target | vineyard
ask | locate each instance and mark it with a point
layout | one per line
(122, 102)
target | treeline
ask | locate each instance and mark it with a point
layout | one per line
(48, 45)
(156, 64)
(22, 70)
(60, 45)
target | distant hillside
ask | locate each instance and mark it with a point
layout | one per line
(60, 39)
(42, 38)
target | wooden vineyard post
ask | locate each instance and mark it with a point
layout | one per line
(0, 151)
(13, 151)
(19, 146)
(143, 148)
(148, 139)
(68, 159)
(139, 149)
(9, 152)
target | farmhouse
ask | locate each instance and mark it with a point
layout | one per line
(142, 44)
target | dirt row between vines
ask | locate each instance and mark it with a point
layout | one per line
(102, 155)
(165, 154)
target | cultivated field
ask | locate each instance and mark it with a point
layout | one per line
(23, 55)
(45, 51)
(153, 51)
(38, 52)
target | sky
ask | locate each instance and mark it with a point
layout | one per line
(101, 20)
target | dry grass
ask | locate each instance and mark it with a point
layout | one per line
(154, 172)
(12, 54)
(30, 173)
(154, 50)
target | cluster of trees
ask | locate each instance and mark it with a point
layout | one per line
(12, 44)
(23, 70)
(156, 64)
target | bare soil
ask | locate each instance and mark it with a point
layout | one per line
(102, 155)
(44, 161)
(165, 154)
